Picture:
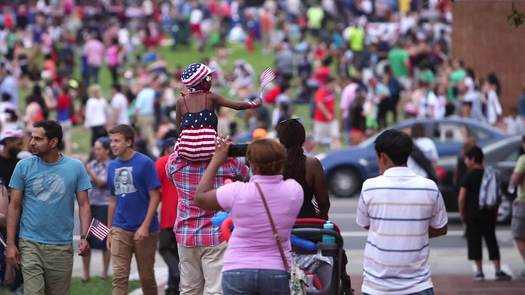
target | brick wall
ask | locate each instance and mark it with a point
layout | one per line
(487, 42)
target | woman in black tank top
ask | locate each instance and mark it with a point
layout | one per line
(306, 170)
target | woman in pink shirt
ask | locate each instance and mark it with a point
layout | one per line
(252, 262)
(112, 59)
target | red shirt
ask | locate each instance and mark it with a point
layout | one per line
(327, 98)
(272, 94)
(64, 102)
(322, 74)
(169, 197)
(8, 21)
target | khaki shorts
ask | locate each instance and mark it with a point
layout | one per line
(326, 132)
(518, 220)
(201, 270)
(46, 269)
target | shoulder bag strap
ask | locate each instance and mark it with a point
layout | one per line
(274, 230)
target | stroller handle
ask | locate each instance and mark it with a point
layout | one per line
(319, 221)
(319, 231)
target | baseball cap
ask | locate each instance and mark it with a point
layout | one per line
(259, 133)
(427, 76)
(73, 84)
(11, 134)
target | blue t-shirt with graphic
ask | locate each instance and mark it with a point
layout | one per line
(130, 182)
(49, 198)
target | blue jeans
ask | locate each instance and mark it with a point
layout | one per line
(255, 281)
(424, 292)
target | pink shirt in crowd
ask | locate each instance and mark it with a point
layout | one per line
(94, 51)
(252, 244)
(347, 98)
(112, 56)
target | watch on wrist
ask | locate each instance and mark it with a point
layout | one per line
(82, 237)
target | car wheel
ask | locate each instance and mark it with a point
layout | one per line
(505, 210)
(344, 182)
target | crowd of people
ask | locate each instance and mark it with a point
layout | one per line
(126, 191)
(358, 66)
(385, 65)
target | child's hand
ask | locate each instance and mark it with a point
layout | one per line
(256, 102)
(222, 146)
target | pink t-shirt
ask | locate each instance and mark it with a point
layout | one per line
(112, 56)
(252, 244)
(94, 51)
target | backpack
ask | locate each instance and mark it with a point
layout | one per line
(489, 192)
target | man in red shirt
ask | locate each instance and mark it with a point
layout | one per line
(326, 128)
(323, 73)
(168, 213)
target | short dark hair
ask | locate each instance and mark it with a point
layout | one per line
(116, 87)
(417, 130)
(125, 130)
(105, 142)
(6, 96)
(475, 153)
(52, 130)
(395, 144)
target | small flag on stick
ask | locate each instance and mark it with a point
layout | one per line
(98, 229)
(266, 77)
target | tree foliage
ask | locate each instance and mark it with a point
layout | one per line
(516, 17)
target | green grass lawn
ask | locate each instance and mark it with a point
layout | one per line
(97, 286)
(185, 56)
(94, 287)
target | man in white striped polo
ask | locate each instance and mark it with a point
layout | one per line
(401, 212)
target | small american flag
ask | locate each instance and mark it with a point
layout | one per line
(98, 229)
(266, 77)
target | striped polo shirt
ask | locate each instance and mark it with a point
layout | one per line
(398, 207)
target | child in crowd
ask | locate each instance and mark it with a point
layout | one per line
(196, 119)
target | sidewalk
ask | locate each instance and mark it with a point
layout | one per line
(445, 285)
(463, 285)
(451, 272)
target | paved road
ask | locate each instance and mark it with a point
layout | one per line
(342, 212)
(448, 256)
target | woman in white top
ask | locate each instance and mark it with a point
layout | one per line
(96, 113)
(493, 106)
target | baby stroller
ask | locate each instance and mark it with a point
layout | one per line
(323, 263)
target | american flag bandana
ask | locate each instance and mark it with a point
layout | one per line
(194, 73)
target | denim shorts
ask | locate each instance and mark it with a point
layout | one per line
(429, 291)
(255, 281)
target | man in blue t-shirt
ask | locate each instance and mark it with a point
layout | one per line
(43, 190)
(132, 212)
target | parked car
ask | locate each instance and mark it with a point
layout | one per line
(347, 168)
(502, 156)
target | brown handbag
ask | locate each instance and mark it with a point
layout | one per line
(297, 278)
